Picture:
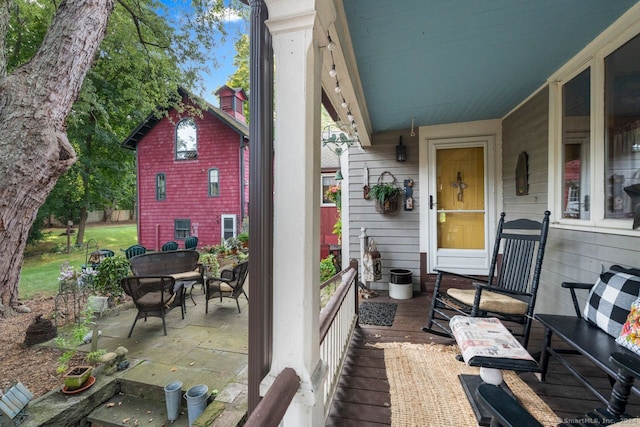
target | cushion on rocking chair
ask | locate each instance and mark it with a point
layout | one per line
(490, 301)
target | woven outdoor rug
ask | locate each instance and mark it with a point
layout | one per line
(377, 313)
(425, 389)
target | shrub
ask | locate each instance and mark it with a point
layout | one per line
(327, 269)
(107, 280)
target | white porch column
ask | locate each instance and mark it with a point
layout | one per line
(296, 269)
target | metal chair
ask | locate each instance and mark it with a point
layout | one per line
(134, 250)
(169, 246)
(510, 290)
(191, 242)
(230, 284)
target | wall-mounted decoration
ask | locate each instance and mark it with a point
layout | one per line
(386, 194)
(459, 185)
(522, 175)
(408, 194)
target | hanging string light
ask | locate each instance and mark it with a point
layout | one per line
(334, 74)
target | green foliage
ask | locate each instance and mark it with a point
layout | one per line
(327, 268)
(244, 237)
(240, 78)
(71, 339)
(384, 191)
(94, 356)
(107, 281)
(211, 264)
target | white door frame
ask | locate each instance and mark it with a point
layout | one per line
(456, 133)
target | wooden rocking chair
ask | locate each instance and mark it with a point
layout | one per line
(510, 290)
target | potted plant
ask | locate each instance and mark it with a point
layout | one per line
(76, 377)
(244, 239)
(385, 194)
(106, 282)
(210, 263)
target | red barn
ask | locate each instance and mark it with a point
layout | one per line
(193, 173)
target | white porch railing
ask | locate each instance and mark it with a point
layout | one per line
(337, 322)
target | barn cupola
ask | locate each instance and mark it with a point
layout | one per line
(232, 102)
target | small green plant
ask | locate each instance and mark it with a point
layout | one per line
(111, 270)
(382, 192)
(232, 244)
(244, 238)
(94, 356)
(327, 269)
(210, 263)
(72, 339)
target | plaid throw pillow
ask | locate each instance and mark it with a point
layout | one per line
(610, 300)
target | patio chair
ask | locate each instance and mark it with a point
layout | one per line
(169, 246)
(510, 290)
(508, 412)
(191, 242)
(134, 250)
(153, 296)
(230, 284)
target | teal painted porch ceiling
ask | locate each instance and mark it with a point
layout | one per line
(447, 61)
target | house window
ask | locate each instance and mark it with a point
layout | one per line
(214, 182)
(328, 182)
(186, 139)
(182, 228)
(596, 136)
(228, 226)
(161, 187)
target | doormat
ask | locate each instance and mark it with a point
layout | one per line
(377, 313)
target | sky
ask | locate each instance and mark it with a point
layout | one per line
(224, 53)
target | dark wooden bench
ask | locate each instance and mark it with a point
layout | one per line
(507, 412)
(583, 338)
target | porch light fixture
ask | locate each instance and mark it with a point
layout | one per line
(401, 151)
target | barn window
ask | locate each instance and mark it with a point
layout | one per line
(186, 140)
(214, 182)
(182, 228)
(161, 187)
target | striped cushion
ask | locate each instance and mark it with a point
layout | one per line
(490, 301)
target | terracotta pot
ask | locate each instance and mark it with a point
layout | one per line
(76, 377)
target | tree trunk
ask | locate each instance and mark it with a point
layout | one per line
(81, 226)
(35, 100)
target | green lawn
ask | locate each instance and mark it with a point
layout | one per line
(42, 262)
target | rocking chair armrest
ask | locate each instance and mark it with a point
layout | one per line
(577, 285)
(572, 286)
(498, 290)
(464, 276)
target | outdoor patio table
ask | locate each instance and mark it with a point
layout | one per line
(181, 287)
(487, 343)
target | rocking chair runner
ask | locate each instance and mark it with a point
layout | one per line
(510, 290)
(230, 284)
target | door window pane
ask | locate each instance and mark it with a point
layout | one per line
(576, 113)
(228, 226)
(622, 128)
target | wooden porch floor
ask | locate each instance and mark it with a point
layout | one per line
(362, 397)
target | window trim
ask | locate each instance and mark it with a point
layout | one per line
(175, 140)
(322, 176)
(209, 182)
(234, 217)
(164, 196)
(175, 228)
(593, 56)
